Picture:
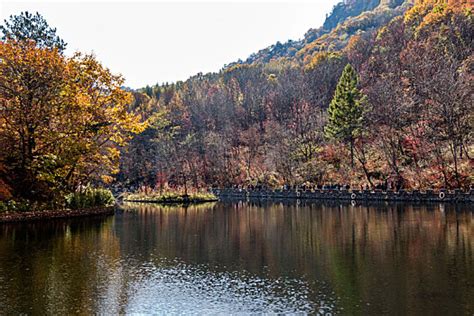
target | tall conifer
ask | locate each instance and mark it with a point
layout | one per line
(346, 111)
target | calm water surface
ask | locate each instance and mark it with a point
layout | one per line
(244, 257)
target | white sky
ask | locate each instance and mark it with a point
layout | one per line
(154, 41)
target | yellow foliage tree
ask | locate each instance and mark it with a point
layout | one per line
(61, 119)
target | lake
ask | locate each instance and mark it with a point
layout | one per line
(244, 257)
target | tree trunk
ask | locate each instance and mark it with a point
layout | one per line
(352, 152)
(185, 182)
(442, 164)
(367, 175)
(361, 157)
(456, 173)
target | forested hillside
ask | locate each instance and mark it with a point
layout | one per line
(346, 19)
(401, 116)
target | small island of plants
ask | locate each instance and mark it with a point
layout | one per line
(169, 197)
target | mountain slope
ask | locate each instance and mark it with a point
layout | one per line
(347, 18)
(263, 121)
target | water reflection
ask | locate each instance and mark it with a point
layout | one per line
(194, 289)
(244, 257)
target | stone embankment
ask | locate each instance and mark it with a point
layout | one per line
(455, 196)
(8, 217)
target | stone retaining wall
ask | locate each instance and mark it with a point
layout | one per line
(9, 217)
(356, 195)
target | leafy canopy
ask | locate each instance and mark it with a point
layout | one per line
(62, 120)
(27, 26)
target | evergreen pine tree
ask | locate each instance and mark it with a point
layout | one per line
(27, 26)
(346, 111)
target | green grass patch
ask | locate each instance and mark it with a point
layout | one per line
(170, 197)
(88, 198)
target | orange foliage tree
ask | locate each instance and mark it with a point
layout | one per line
(61, 119)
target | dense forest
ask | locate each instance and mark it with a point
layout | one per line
(380, 95)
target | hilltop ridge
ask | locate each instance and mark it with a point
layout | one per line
(346, 19)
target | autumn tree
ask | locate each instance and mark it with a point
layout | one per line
(345, 113)
(391, 114)
(439, 70)
(61, 119)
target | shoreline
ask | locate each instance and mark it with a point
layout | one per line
(12, 217)
(350, 195)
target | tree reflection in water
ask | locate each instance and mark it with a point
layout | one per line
(244, 256)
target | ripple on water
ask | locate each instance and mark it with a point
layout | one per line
(191, 289)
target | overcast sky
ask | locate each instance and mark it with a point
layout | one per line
(153, 41)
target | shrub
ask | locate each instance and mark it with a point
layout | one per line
(3, 206)
(17, 206)
(90, 197)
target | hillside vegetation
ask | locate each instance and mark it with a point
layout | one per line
(347, 18)
(263, 121)
(380, 96)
